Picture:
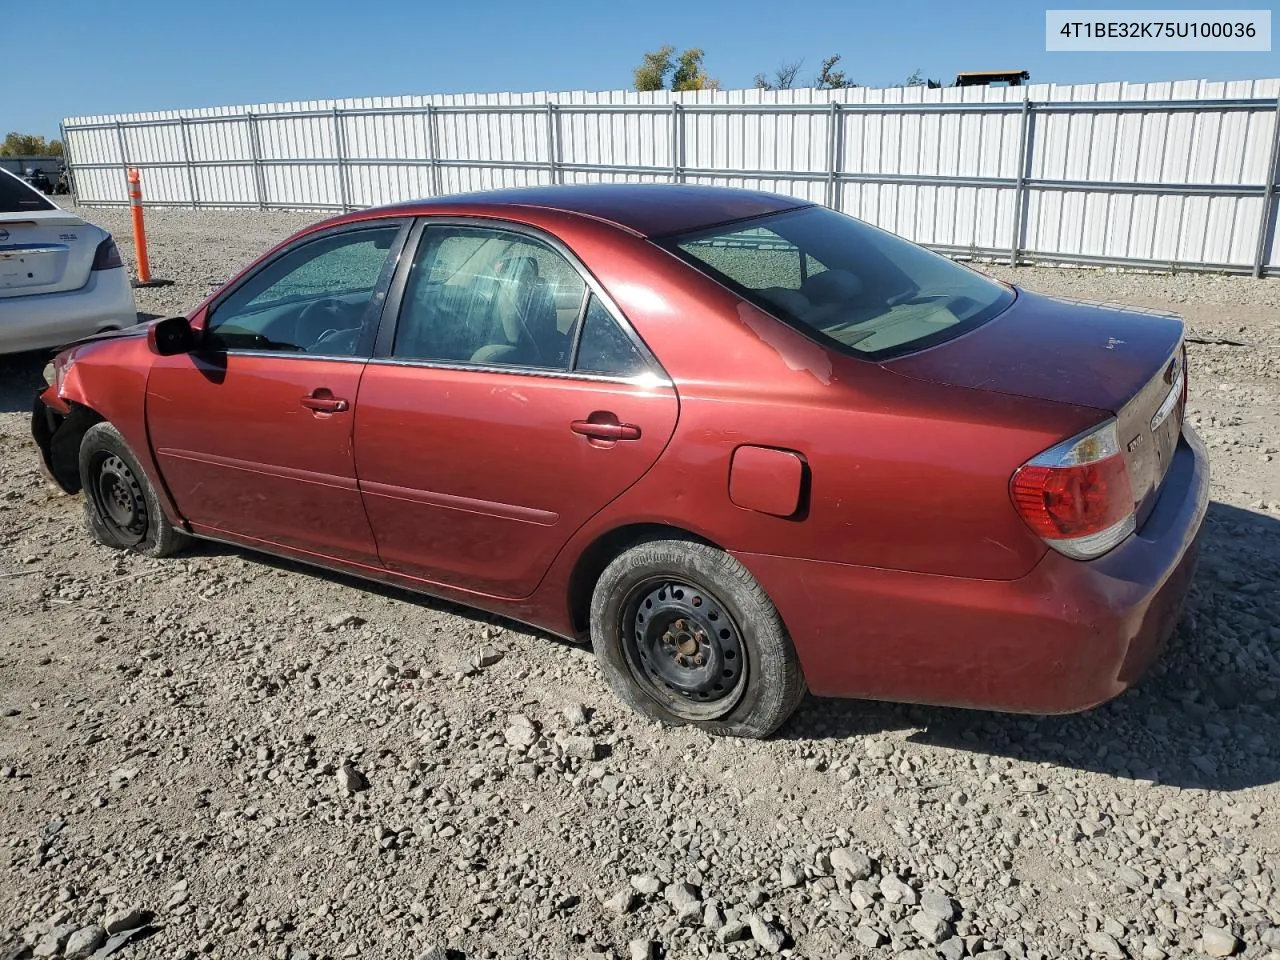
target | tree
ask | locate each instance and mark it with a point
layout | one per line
(684, 71)
(29, 145)
(784, 78)
(917, 79)
(689, 74)
(653, 70)
(829, 78)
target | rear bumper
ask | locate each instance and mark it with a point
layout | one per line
(1066, 637)
(44, 320)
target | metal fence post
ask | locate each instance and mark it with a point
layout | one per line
(124, 155)
(70, 165)
(835, 155)
(433, 147)
(340, 151)
(1267, 222)
(192, 186)
(1026, 145)
(677, 142)
(553, 142)
(255, 146)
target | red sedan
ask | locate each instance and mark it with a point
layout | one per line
(746, 444)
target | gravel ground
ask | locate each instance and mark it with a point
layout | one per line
(236, 757)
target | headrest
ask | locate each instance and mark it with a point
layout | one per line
(518, 269)
(832, 286)
(793, 301)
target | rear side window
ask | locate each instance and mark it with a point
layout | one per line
(604, 347)
(17, 197)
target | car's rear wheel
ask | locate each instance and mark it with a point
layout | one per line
(685, 635)
(121, 507)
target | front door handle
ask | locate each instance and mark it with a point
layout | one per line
(606, 430)
(323, 401)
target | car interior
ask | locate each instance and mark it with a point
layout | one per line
(311, 300)
(490, 300)
(325, 326)
(868, 304)
(474, 296)
(838, 303)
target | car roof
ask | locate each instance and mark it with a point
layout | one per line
(648, 209)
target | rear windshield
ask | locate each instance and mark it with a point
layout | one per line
(17, 197)
(856, 287)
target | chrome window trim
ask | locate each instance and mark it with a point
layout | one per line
(287, 355)
(647, 379)
(421, 235)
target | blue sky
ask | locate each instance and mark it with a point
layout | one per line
(164, 54)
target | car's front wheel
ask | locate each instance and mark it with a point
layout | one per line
(121, 507)
(684, 634)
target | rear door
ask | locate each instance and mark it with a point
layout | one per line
(42, 249)
(253, 432)
(507, 403)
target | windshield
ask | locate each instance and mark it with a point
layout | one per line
(864, 290)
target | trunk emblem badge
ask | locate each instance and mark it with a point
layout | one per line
(1136, 442)
(1112, 343)
(4, 234)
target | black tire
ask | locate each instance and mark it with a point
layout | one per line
(121, 507)
(684, 635)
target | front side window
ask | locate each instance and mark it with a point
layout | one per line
(483, 296)
(864, 290)
(315, 299)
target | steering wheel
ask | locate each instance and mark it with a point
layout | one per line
(323, 322)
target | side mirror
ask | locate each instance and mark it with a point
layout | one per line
(171, 336)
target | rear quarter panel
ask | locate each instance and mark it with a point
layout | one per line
(899, 477)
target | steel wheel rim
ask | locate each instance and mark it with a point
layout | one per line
(119, 500)
(684, 647)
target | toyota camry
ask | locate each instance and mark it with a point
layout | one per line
(744, 444)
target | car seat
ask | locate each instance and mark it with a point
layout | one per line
(525, 330)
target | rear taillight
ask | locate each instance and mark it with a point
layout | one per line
(1076, 496)
(107, 256)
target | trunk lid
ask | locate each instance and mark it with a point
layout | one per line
(45, 251)
(1123, 360)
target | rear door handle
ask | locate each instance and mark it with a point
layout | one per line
(606, 431)
(323, 401)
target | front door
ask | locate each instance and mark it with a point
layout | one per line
(253, 431)
(493, 430)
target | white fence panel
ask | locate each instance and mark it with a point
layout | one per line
(1164, 174)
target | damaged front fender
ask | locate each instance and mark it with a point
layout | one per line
(57, 428)
(100, 380)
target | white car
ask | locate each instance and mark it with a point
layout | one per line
(60, 277)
